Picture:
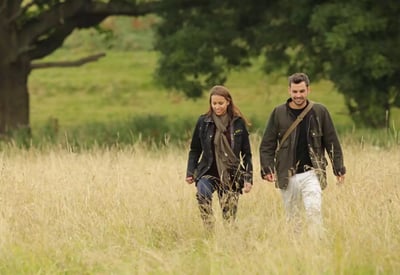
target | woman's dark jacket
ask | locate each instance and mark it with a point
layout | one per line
(321, 137)
(201, 153)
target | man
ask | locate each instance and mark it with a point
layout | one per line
(297, 164)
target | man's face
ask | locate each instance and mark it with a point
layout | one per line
(298, 93)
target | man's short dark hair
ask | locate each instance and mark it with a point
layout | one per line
(297, 78)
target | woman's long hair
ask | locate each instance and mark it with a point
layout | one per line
(232, 109)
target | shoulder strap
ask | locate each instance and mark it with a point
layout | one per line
(294, 124)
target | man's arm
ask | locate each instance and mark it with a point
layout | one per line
(332, 145)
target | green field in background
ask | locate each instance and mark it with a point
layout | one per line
(121, 85)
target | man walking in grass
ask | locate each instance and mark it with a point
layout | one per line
(292, 153)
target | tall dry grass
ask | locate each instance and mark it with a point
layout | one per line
(129, 211)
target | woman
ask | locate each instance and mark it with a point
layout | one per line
(221, 139)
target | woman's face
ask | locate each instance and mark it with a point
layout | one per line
(219, 104)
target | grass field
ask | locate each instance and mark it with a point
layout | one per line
(121, 87)
(129, 211)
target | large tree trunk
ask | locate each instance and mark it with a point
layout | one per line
(14, 97)
(30, 30)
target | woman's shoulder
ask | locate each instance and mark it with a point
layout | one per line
(204, 118)
(205, 115)
(238, 120)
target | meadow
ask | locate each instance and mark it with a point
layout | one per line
(117, 100)
(129, 211)
(90, 195)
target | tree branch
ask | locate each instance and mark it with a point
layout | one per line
(70, 10)
(49, 20)
(3, 5)
(64, 64)
(13, 6)
(20, 12)
(124, 8)
(55, 39)
(46, 32)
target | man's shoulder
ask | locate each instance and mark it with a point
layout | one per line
(281, 108)
(317, 106)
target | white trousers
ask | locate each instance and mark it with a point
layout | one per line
(304, 192)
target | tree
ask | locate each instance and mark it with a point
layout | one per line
(352, 43)
(33, 29)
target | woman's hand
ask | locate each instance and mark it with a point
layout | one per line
(190, 179)
(269, 177)
(247, 187)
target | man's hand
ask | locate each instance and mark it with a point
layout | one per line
(269, 177)
(190, 179)
(247, 187)
(340, 179)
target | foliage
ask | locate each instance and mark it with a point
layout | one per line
(360, 40)
(352, 43)
(200, 45)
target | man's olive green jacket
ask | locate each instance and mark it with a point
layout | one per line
(321, 138)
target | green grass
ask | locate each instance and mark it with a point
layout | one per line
(121, 85)
(120, 88)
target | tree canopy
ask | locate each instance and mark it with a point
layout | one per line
(352, 43)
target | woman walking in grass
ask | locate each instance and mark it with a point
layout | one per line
(220, 157)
